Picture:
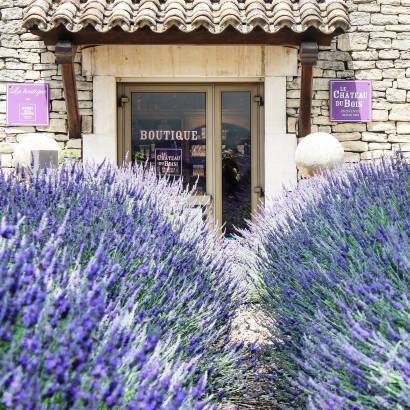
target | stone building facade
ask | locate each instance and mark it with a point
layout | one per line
(377, 48)
(25, 58)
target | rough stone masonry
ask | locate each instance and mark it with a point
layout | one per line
(377, 48)
(23, 57)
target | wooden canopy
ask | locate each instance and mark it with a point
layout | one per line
(67, 24)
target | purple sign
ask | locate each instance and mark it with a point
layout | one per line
(27, 104)
(168, 161)
(350, 101)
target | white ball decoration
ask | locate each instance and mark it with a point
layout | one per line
(32, 142)
(317, 152)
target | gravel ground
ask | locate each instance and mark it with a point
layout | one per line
(253, 327)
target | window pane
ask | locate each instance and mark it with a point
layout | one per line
(236, 159)
(169, 131)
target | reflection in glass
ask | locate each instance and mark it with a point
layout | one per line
(169, 131)
(236, 160)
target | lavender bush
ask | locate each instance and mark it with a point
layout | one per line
(112, 294)
(334, 257)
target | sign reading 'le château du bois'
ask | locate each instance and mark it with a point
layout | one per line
(350, 100)
(168, 161)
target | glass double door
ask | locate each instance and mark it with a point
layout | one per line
(205, 136)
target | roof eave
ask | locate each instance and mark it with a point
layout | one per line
(230, 36)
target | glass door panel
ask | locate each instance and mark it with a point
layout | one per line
(236, 145)
(168, 130)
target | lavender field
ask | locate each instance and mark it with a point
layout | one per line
(114, 295)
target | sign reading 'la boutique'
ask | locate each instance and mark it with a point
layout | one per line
(351, 100)
(27, 104)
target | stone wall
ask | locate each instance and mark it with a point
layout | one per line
(23, 57)
(377, 48)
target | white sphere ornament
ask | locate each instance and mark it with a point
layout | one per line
(318, 152)
(32, 142)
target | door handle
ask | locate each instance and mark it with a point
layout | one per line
(259, 191)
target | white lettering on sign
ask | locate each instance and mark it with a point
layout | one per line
(169, 135)
(168, 161)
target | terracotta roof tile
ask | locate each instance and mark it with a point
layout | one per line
(188, 15)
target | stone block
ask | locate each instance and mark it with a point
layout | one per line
(380, 43)
(349, 127)
(405, 147)
(396, 95)
(6, 148)
(400, 112)
(74, 143)
(403, 83)
(351, 157)
(376, 154)
(382, 85)
(33, 44)
(58, 105)
(365, 55)
(355, 146)
(374, 74)
(387, 9)
(404, 18)
(353, 41)
(334, 55)
(47, 58)
(386, 126)
(394, 73)
(56, 125)
(379, 146)
(369, 7)
(401, 44)
(10, 41)
(29, 57)
(380, 115)
(32, 75)
(384, 64)
(361, 65)
(12, 13)
(374, 137)
(399, 27)
(347, 136)
(389, 54)
(359, 18)
(399, 138)
(87, 124)
(18, 130)
(6, 160)
(384, 19)
(403, 128)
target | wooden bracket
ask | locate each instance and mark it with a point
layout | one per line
(65, 53)
(308, 58)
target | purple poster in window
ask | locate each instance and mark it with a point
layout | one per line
(27, 104)
(168, 161)
(350, 101)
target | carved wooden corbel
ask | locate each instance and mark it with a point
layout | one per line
(308, 58)
(65, 53)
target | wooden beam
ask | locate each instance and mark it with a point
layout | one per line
(65, 53)
(308, 58)
(201, 36)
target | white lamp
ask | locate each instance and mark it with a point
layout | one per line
(317, 152)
